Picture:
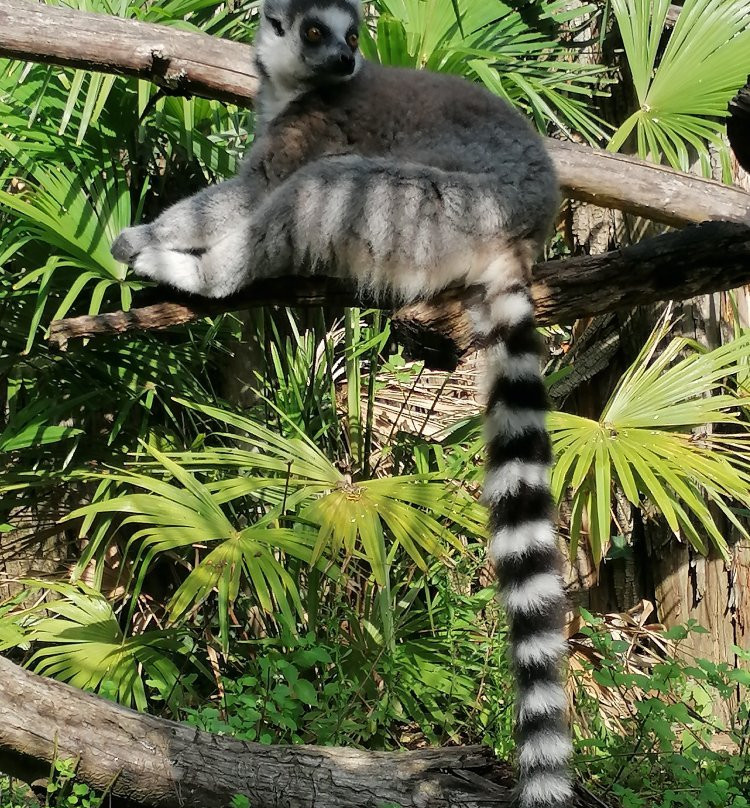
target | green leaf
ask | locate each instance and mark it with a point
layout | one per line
(683, 92)
(306, 692)
(644, 441)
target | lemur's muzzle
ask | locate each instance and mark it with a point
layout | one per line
(342, 64)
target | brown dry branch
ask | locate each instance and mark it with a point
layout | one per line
(708, 257)
(181, 62)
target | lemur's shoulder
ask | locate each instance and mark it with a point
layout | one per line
(402, 99)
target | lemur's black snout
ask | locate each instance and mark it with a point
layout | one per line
(343, 64)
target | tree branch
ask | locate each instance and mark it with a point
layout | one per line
(183, 62)
(155, 762)
(216, 68)
(699, 259)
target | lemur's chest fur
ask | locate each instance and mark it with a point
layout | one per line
(410, 115)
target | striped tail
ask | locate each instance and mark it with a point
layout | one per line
(523, 545)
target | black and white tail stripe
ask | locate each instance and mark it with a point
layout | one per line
(523, 545)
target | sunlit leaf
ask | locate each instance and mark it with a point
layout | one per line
(645, 440)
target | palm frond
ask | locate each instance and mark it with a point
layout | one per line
(683, 92)
(79, 640)
(646, 441)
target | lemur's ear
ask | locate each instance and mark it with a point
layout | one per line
(277, 25)
(276, 13)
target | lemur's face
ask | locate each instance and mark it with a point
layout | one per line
(309, 42)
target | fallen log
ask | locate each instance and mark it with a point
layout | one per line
(704, 258)
(154, 762)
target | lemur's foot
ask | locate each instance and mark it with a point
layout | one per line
(179, 269)
(214, 272)
(131, 242)
(149, 257)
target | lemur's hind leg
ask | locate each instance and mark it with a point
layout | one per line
(405, 229)
(189, 227)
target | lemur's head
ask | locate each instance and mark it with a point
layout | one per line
(308, 42)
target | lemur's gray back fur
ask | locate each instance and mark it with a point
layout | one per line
(409, 182)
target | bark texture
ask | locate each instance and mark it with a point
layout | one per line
(182, 62)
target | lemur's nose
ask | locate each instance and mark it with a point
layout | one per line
(345, 64)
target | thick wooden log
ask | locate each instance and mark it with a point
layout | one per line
(704, 258)
(656, 192)
(154, 762)
(203, 65)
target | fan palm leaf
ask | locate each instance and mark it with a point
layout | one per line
(81, 643)
(682, 92)
(172, 516)
(646, 441)
(55, 208)
(491, 42)
(416, 511)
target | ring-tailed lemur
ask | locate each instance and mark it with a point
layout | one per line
(409, 182)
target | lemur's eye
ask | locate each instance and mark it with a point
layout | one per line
(276, 25)
(353, 41)
(313, 34)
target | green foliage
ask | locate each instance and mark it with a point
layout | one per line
(14, 794)
(189, 513)
(88, 97)
(62, 790)
(55, 209)
(426, 661)
(79, 641)
(671, 750)
(645, 441)
(683, 89)
(518, 56)
(281, 479)
(293, 474)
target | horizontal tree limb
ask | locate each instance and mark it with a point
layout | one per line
(181, 61)
(192, 63)
(656, 192)
(154, 762)
(703, 258)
